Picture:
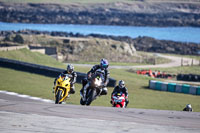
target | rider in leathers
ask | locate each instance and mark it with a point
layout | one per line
(70, 71)
(104, 67)
(121, 88)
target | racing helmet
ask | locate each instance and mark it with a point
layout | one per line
(70, 68)
(121, 84)
(104, 63)
(188, 106)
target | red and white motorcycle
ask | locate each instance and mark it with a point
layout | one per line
(118, 100)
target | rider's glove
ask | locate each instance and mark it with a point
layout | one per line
(103, 85)
(89, 76)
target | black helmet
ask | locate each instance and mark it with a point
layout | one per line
(121, 84)
(70, 68)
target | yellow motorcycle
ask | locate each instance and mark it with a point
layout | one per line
(62, 88)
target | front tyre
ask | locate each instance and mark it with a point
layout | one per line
(58, 97)
(82, 102)
(91, 97)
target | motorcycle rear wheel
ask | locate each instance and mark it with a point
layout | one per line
(58, 97)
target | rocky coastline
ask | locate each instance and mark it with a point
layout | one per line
(146, 44)
(138, 13)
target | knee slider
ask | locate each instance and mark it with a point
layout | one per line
(104, 91)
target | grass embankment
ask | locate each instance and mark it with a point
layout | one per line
(31, 57)
(139, 96)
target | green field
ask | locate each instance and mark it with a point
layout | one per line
(139, 95)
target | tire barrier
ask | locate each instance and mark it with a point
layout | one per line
(174, 87)
(188, 77)
(42, 70)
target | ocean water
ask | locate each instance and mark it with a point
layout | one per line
(181, 34)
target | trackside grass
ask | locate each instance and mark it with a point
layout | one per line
(139, 95)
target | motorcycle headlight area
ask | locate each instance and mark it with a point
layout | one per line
(118, 100)
(97, 82)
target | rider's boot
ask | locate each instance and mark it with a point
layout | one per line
(104, 91)
(81, 92)
(53, 90)
(72, 91)
(84, 82)
(127, 101)
(84, 91)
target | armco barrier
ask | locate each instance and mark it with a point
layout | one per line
(173, 87)
(42, 70)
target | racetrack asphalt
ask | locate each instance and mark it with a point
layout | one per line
(22, 115)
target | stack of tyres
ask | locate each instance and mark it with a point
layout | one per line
(193, 90)
(164, 86)
(171, 87)
(185, 89)
(158, 85)
(198, 90)
(152, 84)
(188, 77)
(178, 88)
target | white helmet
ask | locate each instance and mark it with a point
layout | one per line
(70, 68)
(189, 106)
(121, 84)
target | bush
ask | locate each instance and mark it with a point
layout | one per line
(18, 39)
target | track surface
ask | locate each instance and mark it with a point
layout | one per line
(20, 115)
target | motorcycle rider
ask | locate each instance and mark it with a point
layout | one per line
(188, 108)
(70, 71)
(121, 88)
(104, 68)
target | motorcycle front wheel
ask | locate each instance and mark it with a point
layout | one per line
(91, 97)
(58, 97)
(82, 102)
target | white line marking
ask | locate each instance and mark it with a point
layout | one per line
(27, 96)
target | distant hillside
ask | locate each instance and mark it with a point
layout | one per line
(75, 49)
(128, 12)
(95, 46)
